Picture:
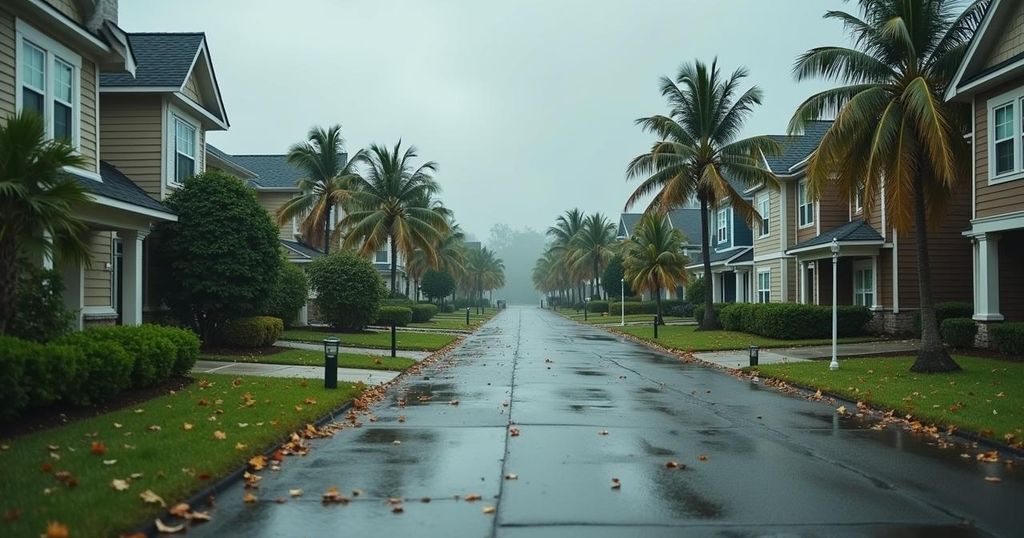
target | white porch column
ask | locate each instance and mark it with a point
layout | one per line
(877, 297)
(303, 318)
(131, 279)
(986, 299)
(716, 287)
(740, 296)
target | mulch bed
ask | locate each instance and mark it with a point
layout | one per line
(35, 420)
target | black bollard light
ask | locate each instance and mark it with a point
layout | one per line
(467, 315)
(655, 327)
(754, 352)
(331, 344)
(393, 339)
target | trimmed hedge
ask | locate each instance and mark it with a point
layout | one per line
(447, 308)
(698, 311)
(423, 312)
(399, 315)
(252, 332)
(789, 321)
(91, 366)
(944, 311)
(597, 307)
(1007, 338)
(958, 332)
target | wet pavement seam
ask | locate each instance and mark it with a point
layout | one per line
(511, 402)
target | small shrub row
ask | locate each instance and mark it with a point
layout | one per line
(597, 307)
(669, 307)
(423, 312)
(91, 366)
(1008, 338)
(790, 321)
(944, 311)
(447, 308)
(958, 333)
(252, 332)
(399, 315)
(485, 302)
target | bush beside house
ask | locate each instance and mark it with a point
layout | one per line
(291, 291)
(423, 312)
(252, 332)
(958, 332)
(790, 321)
(1008, 338)
(39, 312)
(399, 315)
(349, 290)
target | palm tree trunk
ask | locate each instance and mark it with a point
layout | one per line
(657, 300)
(932, 356)
(710, 322)
(327, 232)
(394, 265)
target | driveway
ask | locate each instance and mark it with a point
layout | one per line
(752, 461)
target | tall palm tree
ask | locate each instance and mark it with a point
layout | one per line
(891, 119)
(36, 200)
(392, 206)
(326, 184)
(486, 272)
(654, 258)
(451, 256)
(698, 147)
(592, 247)
(566, 227)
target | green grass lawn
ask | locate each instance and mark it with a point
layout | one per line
(598, 319)
(987, 397)
(173, 462)
(407, 340)
(305, 357)
(688, 338)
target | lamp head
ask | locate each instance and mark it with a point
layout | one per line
(835, 247)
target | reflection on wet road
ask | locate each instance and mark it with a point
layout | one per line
(591, 408)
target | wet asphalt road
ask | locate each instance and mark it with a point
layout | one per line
(776, 465)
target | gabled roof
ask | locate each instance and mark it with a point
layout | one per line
(973, 75)
(273, 171)
(726, 257)
(687, 221)
(856, 231)
(301, 249)
(116, 186)
(627, 223)
(796, 148)
(218, 158)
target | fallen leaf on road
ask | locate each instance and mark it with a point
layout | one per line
(993, 479)
(149, 497)
(702, 457)
(332, 495)
(397, 509)
(396, 442)
(472, 497)
(258, 462)
(841, 410)
(424, 499)
(511, 476)
(164, 528)
(249, 498)
(616, 483)
(603, 432)
(295, 492)
(401, 418)
(513, 431)
(488, 509)
(453, 402)
(199, 516)
(672, 464)
(179, 510)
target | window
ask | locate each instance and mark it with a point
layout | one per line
(184, 150)
(1003, 139)
(858, 199)
(764, 286)
(723, 225)
(1005, 152)
(764, 208)
(48, 82)
(382, 254)
(863, 283)
(805, 207)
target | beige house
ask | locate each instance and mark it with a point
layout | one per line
(991, 78)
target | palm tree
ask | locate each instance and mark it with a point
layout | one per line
(566, 227)
(451, 257)
(654, 257)
(592, 246)
(326, 184)
(36, 200)
(698, 147)
(890, 119)
(486, 272)
(392, 207)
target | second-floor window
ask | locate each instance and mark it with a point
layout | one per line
(184, 150)
(48, 82)
(805, 207)
(382, 254)
(764, 208)
(858, 199)
(722, 233)
(1005, 152)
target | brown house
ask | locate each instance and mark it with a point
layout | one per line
(991, 78)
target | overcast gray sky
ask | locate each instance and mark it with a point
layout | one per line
(528, 106)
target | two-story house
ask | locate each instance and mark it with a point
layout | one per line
(731, 253)
(991, 78)
(684, 219)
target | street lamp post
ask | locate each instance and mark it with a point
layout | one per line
(622, 303)
(834, 365)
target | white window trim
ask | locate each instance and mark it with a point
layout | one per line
(865, 265)
(764, 207)
(726, 212)
(387, 253)
(170, 154)
(768, 290)
(1015, 98)
(52, 51)
(799, 206)
(858, 200)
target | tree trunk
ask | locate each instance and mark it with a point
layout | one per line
(932, 356)
(394, 265)
(710, 322)
(327, 231)
(8, 280)
(657, 300)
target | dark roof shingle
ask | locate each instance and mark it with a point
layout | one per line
(687, 221)
(117, 186)
(305, 250)
(273, 171)
(855, 230)
(796, 148)
(162, 60)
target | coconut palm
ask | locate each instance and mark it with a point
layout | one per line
(326, 184)
(654, 258)
(549, 273)
(890, 119)
(566, 227)
(485, 271)
(391, 206)
(698, 147)
(592, 247)
(451, 257)
(36, 200)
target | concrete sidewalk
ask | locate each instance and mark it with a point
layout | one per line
(415, 355)
(350, 375)
(740, 358)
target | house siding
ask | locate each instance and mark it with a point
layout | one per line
(272, 201)
(7, 65)
(191, 89)
(769, 243)
(98, 279)
(1011, 41)
(1000, 198)
(87, 139)
(132, 138)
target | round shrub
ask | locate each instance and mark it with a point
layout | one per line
(39, 312)
(186, 344)
(437, 284)
(50, 372)
(399, 315)
(695, 290)
(422, 313)
(13, 390)
(252, 332)
(349, 290)
(1008, 338)
(104, 371)
(597, 307)
(447, 308)
(290, 293)
(154, 354)
(958, 332)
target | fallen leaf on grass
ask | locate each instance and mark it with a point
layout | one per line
(109, 462)
(164, 528)
(118, 484)
(97, 448)
(187, 426)
(310, 401)
(56, 530)
(149, 497)
(13, 514)
(219, 435)
(241, 446)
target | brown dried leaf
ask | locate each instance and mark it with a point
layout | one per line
(489, 509)
(56, 530)
(119, 485)
(149, 497)
(179, 510)
(219, 435)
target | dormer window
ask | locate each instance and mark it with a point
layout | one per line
(184, 150)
